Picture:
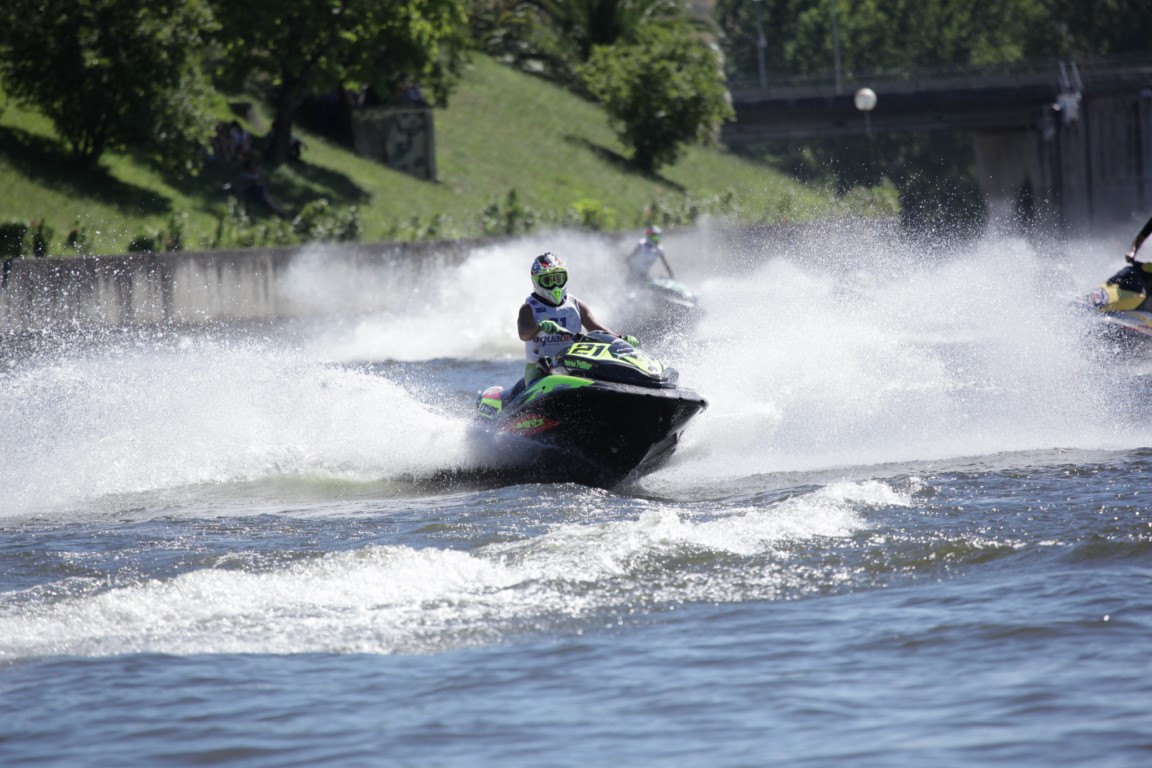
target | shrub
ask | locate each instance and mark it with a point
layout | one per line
(77, 240)
(591, 214)
(12, 236)
(174, 235)
(319, 221)
(511, 218)
(42, 239)
(688, 210)
(142, 244)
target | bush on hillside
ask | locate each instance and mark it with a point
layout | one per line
(591, 214)
(77, 240)
(320, 222)
(42, 235)
(663, 93)
(12, 236)
(510, 218)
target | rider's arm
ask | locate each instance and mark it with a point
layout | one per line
(1140, 238)
(526, 324)
(666, 265)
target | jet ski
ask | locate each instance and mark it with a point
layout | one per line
(658, 307)
(604, 413)
(672, 293)
(1124, 308)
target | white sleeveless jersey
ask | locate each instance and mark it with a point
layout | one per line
(643, 258)
(567, 315)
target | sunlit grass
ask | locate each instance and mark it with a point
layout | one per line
(502, 130)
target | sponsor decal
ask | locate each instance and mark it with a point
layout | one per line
(532, 424)
(590, 350)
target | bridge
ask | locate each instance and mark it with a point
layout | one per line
(1074, 140)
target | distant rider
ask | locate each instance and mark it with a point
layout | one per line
(549, 317)
(1129, 288)
(645, 256)
(1144, 267)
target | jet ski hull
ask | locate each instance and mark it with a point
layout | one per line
(600, 434)
(1134, 321)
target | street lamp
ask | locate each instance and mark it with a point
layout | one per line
(761, 43)
(865, 102)
(835, 43)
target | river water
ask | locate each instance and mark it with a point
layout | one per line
(914, 527)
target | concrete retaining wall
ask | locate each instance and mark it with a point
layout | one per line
(260, 285)
(197, 287)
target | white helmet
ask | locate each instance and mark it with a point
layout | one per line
(549, 278)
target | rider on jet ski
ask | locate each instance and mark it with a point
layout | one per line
(1130, 257)
(1131, 287)
(645, 256)
(549, 316)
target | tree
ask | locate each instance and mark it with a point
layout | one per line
(1103, 27)
(111, 74)
(920, 34)
(664, 92)
(554, 37)
(586, 24)
(312, 46)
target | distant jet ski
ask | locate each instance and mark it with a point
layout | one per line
(1125, 311)
(658, 307)
(665, 290)
(604, 413)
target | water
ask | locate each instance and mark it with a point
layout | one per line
(913, 528)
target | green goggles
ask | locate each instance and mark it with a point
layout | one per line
(553, 280)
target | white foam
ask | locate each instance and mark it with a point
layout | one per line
(388, 599)
(873, 352)
(888, 353)
(140, 421)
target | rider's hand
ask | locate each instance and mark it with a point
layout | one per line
(1130, 257)
(549, 326)
(630, 340)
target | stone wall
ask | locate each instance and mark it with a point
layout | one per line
(402, 138)
(199, 287)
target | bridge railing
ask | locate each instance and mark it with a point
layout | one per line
(1087, 68)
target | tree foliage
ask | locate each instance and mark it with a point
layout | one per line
(1103, 27)
(585, 24)
(312, 46)
(111, 74)
(663, 92)
(800, 35)
(932, 171)
(554, 37)
(918, 33)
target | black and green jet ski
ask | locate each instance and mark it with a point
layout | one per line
(603, 414)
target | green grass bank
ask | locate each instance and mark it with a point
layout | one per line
(502, 131)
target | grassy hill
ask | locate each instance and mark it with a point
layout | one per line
(503, 130)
